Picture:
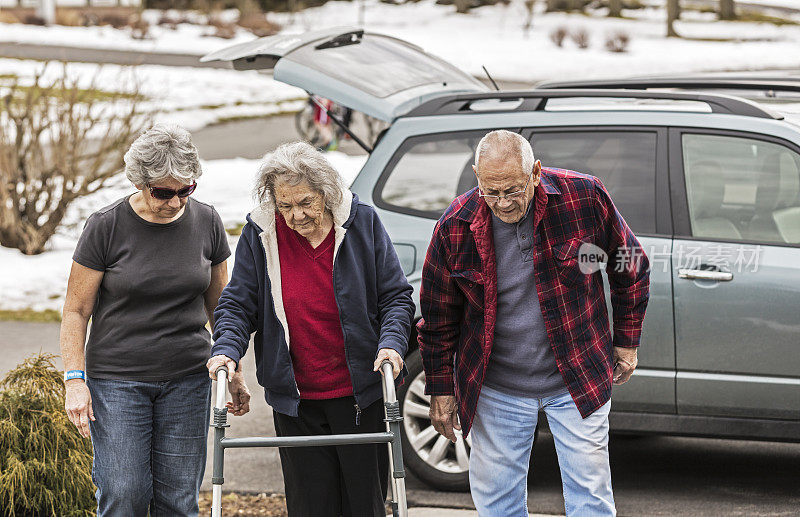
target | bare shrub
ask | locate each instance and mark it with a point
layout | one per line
(617, 42)
(32, 19)
(225, 31)
(258, 25)
(69, 18)
(58, 142)
(115, 20)
(558, 35)
(581, 38)
(169, 21)
(140, 28)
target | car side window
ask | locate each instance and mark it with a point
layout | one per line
(742, 189)
(625, 161)
(428, 173)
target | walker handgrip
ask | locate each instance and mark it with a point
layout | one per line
(222, 377)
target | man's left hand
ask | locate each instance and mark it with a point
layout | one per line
(240, 395)
(625, 362)
(393, 357)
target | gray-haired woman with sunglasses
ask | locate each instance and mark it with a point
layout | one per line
(148, 269)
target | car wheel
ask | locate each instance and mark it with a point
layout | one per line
(431, 457)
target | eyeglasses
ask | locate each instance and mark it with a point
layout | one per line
(513, 196)
(168, 193)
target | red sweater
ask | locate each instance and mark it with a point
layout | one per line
(315, 332)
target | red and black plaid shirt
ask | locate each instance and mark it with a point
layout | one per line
(459, 291)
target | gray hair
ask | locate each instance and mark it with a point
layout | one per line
(506, 144)
(163, 151)
(296, 162)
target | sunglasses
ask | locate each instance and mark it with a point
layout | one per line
(168, 193)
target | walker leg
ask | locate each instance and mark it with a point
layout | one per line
(220, 423)
(393, 425)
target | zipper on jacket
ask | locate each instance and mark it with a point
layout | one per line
(344, 338)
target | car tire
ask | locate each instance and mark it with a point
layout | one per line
(448, 468)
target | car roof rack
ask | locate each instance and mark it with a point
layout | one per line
(726, 82)
(536, 100)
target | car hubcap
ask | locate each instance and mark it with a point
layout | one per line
(436, 450)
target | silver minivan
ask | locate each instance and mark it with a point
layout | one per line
(709, 182)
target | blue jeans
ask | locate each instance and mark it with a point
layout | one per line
(502, 438)
(149, 442)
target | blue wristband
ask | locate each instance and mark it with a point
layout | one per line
(74, 374)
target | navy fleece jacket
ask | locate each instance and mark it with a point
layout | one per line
(371, 291)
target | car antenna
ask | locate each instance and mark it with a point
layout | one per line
(490, 78)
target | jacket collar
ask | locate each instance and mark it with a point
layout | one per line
(263, 215)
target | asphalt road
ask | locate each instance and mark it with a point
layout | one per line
(656, 476)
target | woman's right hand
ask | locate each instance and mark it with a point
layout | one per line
(78, 403)
(216, 362)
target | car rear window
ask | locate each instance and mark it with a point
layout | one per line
(427, 173)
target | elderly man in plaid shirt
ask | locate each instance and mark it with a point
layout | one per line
(515, 320)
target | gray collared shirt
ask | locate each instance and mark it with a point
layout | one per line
(522, 362)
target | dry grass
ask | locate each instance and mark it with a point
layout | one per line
(261, 505)
(46, 316)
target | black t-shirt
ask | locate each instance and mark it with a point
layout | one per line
(148, 322)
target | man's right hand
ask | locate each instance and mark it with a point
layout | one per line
(444, 415)
(216, 362)
(78, 403)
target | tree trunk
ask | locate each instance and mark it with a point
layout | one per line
(673, 12)
(530, 6)
(615, 8)
(727, 10)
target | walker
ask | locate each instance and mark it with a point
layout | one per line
(391, 437)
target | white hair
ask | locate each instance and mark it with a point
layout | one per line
(296, 162)
(506, 143)
(164, 150)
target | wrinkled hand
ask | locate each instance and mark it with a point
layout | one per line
(393, 357)
(78, 403)
(444, 415)
(240, 395)
(216, 362)
(625, 362)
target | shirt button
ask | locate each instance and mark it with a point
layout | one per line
(523, 236)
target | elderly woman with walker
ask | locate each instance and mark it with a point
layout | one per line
(317, 279)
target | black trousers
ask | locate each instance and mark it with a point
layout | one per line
(346, 480)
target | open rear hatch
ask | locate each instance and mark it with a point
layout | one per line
(381, 76)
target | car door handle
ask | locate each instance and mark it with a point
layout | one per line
(704, 274)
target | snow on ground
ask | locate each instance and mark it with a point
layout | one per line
(191, 97)
(493, 36)
(39, 282)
